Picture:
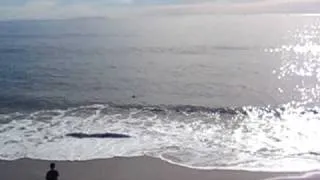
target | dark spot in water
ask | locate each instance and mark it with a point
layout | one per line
(314, 153)
(97, 135)
(282, 108)
(156, 110)
(314, 111)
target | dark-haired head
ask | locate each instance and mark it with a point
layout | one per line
(52, 166)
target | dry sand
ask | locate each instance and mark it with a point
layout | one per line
(138, 168)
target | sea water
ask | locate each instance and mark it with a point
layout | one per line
(203, 91)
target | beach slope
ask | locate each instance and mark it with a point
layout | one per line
(137, 168)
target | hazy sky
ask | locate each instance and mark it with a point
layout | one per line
(47, 9)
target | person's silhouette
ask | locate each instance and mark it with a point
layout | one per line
(52, 174)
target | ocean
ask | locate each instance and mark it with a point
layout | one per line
(202, 91)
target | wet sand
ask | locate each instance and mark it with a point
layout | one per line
(138, 168)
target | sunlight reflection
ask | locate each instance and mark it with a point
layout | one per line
(300, 62)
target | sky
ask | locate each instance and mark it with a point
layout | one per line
(60, 9)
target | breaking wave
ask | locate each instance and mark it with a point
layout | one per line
(252, 138)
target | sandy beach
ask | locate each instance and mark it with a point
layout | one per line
(142, 168)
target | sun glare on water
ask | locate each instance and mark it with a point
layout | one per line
(300, 62)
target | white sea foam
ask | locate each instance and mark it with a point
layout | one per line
(246, 138)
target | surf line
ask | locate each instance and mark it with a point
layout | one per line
(307, 176)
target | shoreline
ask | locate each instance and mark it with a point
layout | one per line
(124, 168)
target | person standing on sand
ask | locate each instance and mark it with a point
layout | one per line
(52, 174)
